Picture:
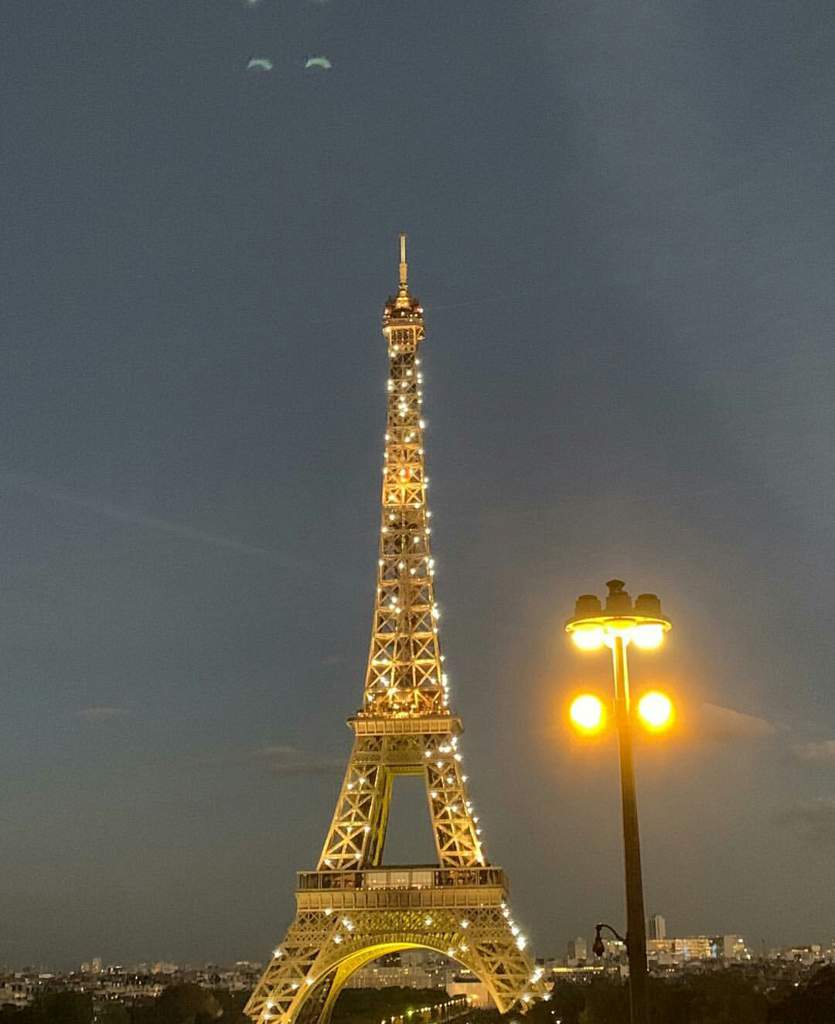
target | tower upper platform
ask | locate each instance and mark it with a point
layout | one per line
(403, 310)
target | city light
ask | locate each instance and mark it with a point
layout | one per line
(655, 709)
(587, 714)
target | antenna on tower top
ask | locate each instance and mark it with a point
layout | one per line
(403, 303)
(403, 265)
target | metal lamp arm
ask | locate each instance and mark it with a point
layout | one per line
(598, 948)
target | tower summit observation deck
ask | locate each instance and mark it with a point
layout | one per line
(353, 908)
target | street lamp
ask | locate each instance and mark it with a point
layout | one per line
(616, 626)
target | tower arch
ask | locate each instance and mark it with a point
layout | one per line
(321, 997)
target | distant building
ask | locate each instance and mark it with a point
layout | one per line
(409, 969)
(660, 951)
(18, 990)
(657, 927)
(672, 952)
(161, 967)
(615, 954)
(476, 991)
(577, 952)
(806, 955)
(694, 947)
(678, 951)
(731, 948)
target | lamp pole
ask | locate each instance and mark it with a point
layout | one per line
(616, 626)
(636, 935)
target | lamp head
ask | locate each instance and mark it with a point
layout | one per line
(592, 625)
(587, 606)
(618, 601)
(649, 605)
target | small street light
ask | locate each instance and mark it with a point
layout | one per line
(598, 947)
(617, 626)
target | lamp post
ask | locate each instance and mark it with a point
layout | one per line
(616, 626)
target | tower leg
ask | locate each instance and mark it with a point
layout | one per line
(357, 833)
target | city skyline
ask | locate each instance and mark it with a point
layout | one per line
(620, 227)
(811, 951)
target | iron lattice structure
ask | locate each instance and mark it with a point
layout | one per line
(352, 909)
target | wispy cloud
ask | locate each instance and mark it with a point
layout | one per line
(288, 760)
(813, 820)
(816, 750)
(721, 723)
(101, 713)
(41, 489)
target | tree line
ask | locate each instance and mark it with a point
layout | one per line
(722, 997)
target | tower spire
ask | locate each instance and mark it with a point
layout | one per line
(404, 268)
(404, 300)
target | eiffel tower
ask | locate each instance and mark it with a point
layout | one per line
(352, 909)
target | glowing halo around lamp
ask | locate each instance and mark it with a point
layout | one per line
(655, 709)
(648, 635)
(621, 620)
(587, 714)
(589, 639)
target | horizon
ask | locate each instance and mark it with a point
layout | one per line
(826, 947)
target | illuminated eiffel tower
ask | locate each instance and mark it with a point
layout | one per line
(351, 909)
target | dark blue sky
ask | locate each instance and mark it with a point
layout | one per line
(621, 222)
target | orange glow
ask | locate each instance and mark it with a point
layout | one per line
(587, 714)
(588, 639)
(655, 709)
(648, 635)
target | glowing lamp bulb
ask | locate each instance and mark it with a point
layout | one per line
(655, 710)
(587, 714)
(590, 639)
(648, 635)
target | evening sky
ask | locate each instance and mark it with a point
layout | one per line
(621, 225)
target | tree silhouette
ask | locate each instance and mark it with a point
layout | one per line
(814, 1003)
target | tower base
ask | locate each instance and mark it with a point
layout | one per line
(346, 919)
